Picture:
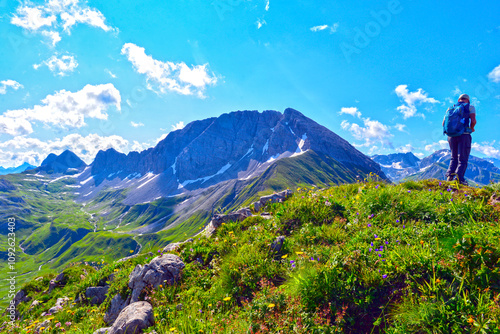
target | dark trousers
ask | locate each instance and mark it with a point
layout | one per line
(460, 150)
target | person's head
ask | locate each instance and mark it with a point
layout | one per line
(464, 98)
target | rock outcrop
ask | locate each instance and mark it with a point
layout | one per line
(218, 220)
(277, 245)
(165, 269)
(174, 246)
(133, 319)
(57, 282)
(115, 307)
(20, 297)
(96, 294)
(276, 197)
(59, 305)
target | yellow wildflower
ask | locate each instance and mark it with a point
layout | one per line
(299, 253)
(284, 256)
(227, 299)
(271, 305)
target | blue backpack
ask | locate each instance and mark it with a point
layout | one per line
(456, 119)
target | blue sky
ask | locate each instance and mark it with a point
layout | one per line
(92, 75)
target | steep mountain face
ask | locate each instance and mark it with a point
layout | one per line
(397, 166)
(19, 169)
(61, 163)
(239, 145)
(479, 170)
(494, 161)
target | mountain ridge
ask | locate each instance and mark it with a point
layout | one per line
(399, 167)
(17, 169)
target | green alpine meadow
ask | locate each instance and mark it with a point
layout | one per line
(366, 257)
(249, 167)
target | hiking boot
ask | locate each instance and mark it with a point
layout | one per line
(449, 178)
(464, 183)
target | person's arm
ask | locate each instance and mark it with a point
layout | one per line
(473, 121)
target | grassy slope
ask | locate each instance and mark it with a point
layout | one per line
(55, 228)
(49, 226)
(358, 258)
(309, 168)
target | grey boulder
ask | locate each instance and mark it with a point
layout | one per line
(134, 318)
(218, 220)
(276, 197)
(96, 294)
(165, 269)
(59, 305)
(116, 306)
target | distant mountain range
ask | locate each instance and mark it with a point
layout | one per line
(18, 169)
(403, 166)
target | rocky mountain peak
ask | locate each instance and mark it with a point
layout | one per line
(61, 163)
(235, 145)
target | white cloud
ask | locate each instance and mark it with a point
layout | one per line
(495, 74)
(63, 109)
(33, 150)
(267, 5)
(400, 127)
(163, 136)
(59, 15)
(333, 28)
(260, 23)
(372, 132)
(405, 149)
(411, 100)
(111, 74)
(14, 126)
(487, 149)
(419, 155)
(440, 145)
(88, 16)
(353, 111)
(169, 76)
(53, 36)
(319, 28)
(59, 66)
(136, 125)
(32, 18)
(138, 147)
(178, 126)
(4, 84)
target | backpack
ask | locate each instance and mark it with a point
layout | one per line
(456, 119)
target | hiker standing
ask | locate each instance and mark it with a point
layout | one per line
(458, 124)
